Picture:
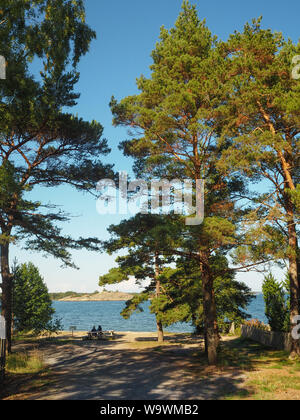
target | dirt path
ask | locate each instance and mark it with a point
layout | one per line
(124, 369)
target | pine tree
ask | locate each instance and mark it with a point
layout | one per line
(276, 309)
(176, 128)
(260, 124)
(183, 300)
(40, 144)
(144, 237)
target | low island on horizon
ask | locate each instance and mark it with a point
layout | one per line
(91, 297)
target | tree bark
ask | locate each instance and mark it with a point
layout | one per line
(160, 332)
(6, 292)
(210, 316)
(294, 282)
(287, 163)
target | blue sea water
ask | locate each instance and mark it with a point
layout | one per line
(84, 315)
(256, 309)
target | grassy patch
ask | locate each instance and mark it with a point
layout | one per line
(273, 385)
(26, 374)
(24, 363)
(270, 373)
(248, 355)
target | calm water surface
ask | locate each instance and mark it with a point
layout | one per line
(86, 314)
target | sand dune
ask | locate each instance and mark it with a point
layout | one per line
(104, 296)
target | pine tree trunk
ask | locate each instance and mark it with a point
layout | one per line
(294, 282)
(205, 344)
(210, 317)
(160, 332)
(6, 292)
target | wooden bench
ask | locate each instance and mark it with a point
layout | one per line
(109, 333)
(93, 335)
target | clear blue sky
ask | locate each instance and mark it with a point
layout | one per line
(126, 34)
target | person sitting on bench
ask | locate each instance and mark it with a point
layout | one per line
(99, 331)
(93, 332)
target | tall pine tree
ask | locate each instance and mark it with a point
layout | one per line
(40, 144)
(260, 124)
(176, 114)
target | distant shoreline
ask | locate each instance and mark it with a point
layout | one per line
(98, 297)
(92, 297)
(89, 300)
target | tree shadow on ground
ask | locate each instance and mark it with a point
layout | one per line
(132, 375)
(248, 355)
(175, 338)
(20, 385)
(64, 339)
(91, 371)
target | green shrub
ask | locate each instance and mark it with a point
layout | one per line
(32, 305)
(276, 304)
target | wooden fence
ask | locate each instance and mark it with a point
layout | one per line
(276, 340)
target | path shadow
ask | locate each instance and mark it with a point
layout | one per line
(175, 338)
(108, 374)
(92, 371)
